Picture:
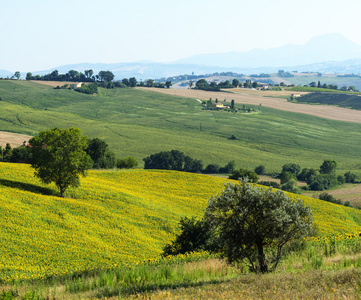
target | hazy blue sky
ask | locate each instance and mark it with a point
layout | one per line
(42, 34)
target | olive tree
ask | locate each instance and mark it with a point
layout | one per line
(58, 155)
(254, 224)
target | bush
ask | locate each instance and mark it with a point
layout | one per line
(350, 177)
(195, 235)
(273, 184)
(292, 168)
(260, 170)
(286, 176)
(306, 174)
(127, 163)
(243, 174)
(318, 183)
(212, 169)
(291, 186)
(329, 198)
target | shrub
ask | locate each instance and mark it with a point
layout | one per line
(350, 177)
(212, 169)
(291, 186)
(273, 184)
(260, 170)
(127, 163)
(286, 176)
(243, 174)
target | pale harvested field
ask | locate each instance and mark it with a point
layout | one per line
(14, 139)
(322, 111)
(265, 93)
(349, 192)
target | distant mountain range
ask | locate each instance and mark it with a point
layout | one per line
(330, 53)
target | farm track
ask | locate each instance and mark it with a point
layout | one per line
(322, 111)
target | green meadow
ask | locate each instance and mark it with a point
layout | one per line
(139, 123)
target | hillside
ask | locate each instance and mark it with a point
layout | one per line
(140, 122)
(115, 217)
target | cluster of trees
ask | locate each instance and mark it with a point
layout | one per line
(203, 84)
(74, 76)
(318, 180)
(282, 73)
(339, 99)
(329, 198)
(245, 223)
(177, 160)
(331, 86)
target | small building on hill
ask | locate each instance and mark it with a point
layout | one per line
(75, 85)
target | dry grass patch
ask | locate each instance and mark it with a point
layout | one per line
(14, 139)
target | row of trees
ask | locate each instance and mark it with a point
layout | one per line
(74, 76)
(203, 84)
(332, 86)
(177, 160)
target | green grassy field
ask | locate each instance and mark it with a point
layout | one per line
(139, 123)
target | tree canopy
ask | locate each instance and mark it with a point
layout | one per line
(254, 224)
(58, 155)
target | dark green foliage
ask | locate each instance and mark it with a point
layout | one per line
(172, 160)
(88, 88)
(249, 218)
(273, 184)
(21, 154)
(8, 295)
(286, 176)
(306, 174)
(260, 170)
(350, 177)
(243, 174)
(321, 182)
(212, 169)
(292, 168)
(58, 155)
(347, 203)
(127, 163)
(291, 186)
(339, 99)
(341, 179)
(228, 168)
(102, 157)
(195, 235)
(7, 152)
(329, 198)
(328, 167)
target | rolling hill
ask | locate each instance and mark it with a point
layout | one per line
(140, 123)
(113, 218)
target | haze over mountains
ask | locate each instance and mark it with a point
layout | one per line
(329, 53)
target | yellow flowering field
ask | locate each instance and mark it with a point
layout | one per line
(114, 217)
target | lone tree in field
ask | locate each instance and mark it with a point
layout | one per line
(254, 223)
(59, 156)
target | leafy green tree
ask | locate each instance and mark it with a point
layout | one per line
(101, 156)
(254, 224)
(195, 235)
(17, 75)
(149, 83)
(168, 84)
(291, 186)
(350, 177)
(243, 174)
(132, 82)
(106, 76)
(190, 83)
(127, 163)
(260, 170)
(287, 176)
(211, 169)
(235, 82)
(29, 76)
(58, 155)
(21, 154)
(292, 168)
(328, 167)
(7, 152)
(254, 84)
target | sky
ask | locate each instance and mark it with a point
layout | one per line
(43, 34)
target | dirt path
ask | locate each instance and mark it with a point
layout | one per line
(14, 139)
(323, 111)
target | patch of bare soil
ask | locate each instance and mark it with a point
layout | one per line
(14, 139)
(322, 111)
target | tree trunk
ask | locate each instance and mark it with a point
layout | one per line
(262, 258)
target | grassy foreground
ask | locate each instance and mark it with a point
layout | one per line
(139, 123)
